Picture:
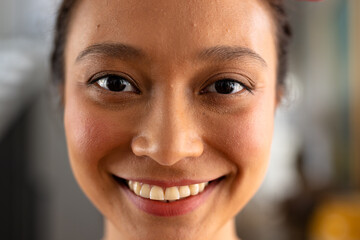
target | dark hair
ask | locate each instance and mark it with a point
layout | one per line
(281, 22)
(283, 37)
(60, 39)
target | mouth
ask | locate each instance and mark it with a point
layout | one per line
(167, 199)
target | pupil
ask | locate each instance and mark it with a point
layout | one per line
(225, 86)
(115, 84)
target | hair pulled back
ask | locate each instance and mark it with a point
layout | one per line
(281, 22)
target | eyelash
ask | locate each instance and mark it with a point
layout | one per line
(229, 80)
(96, 80)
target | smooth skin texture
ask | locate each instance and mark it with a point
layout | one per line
(170, 123)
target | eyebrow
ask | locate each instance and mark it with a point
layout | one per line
(228, 53)
(126, 52)
(117, 50)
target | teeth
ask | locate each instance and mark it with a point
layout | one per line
(137, 188)
(168, 194)
(201, 187)
(184, 191)
(157, 193)
(145, 191)
(172, 193)
(194, 189)
(131, 185)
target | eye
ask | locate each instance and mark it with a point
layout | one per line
(226, 86)
(115, 83)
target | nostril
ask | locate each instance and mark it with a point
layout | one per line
(141, 146)
(196, 148)
(167, 148)
(168, 153)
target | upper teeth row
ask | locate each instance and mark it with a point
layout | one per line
(170, 193)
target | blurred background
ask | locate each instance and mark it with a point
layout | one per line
(311, 191)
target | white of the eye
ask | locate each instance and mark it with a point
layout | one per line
(237, 88)
(102, 83)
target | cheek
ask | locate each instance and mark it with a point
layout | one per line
(84, 134)
(244, 141)
(92, 133)
(253, 136)
(245, 138)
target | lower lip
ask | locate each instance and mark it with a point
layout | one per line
(170, 209)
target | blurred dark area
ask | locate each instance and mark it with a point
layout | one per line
(311, 191)
(18, 201)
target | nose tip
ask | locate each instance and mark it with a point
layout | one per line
(167, 150)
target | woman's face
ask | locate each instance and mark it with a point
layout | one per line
(170, 94)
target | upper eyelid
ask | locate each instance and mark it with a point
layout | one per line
(211, 80)
(245, 87)
(225, 76)
(101, 75)
(96, 77)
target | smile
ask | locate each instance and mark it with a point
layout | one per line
(161, 198)
(158, 193)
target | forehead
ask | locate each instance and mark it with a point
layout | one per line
(171, 27)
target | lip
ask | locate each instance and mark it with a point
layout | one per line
(170, 209)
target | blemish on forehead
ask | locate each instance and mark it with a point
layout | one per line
(98, 26)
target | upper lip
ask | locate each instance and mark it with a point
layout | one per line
(168, 183)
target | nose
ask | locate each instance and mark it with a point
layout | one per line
(168, 133)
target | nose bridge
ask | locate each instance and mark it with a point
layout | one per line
(169, 132)
(173, 114)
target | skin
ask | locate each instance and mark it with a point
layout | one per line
(173, 127)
